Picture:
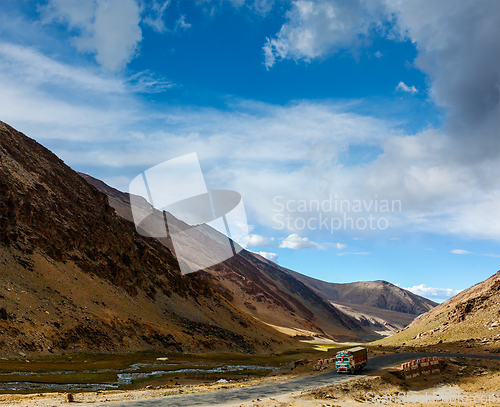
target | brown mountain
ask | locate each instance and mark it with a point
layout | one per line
(473, 315)
(290, 301)
(376, 294)
(76, 276)
(255, 285)
(378, 306)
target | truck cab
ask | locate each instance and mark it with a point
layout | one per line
(350, 360)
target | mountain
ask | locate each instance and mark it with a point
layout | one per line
(471, 316)
(289, 301)
(376, 294)
(76, 276)
(378, 306)
(259, 287)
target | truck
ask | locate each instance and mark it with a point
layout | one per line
(350, 360)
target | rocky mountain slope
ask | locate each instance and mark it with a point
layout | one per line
(75, 276)
(379, 306)
(377, 294)
(255, 285)
(470, 318)
(291, 302)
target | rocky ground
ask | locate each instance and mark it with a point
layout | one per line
(461, 381)
(470, 320)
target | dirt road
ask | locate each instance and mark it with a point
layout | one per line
(247, 393)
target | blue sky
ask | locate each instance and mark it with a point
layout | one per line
(306, 100)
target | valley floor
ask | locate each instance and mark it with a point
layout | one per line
(463, 381)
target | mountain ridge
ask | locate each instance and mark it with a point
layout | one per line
(240, 284)
(76, 276)
(377, 293)
(261, 288)
(470, 319)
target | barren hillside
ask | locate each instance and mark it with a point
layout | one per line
(257, 286)
(470, 318)
(378, 294)
(76, 276)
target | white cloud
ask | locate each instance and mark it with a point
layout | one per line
(339, 246)
(436, 294)
(409, 89)
(155, 18)
(38, 70)
(269, 256)
(114, 133)
(353, 253)
(315, 28)
(378, 54)
(394, 238)
(257, 240)
(491, 255)
(76, 13)
(459, 251)
(181, 23)
(52, 100)
(460, 60)
(109, 29)
(262, 7)
(295, 242)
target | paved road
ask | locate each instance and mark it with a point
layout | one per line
(248, 393)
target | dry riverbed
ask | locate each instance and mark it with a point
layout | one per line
(461, 380)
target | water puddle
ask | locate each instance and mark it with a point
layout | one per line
(128, 378)
(93, 378)
(32, 386)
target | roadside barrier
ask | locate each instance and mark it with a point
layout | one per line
(325, 361)
(418, 367)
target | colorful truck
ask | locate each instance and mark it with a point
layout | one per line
(350, 360)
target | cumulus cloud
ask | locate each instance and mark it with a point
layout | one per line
(76, 13)
(435, 294)
(459, 251)
(317, 27)
(260, 241)
(295, 242)
(109, 29)
(458, 48)
(111, 133)
(269, 256)
(405, 88)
